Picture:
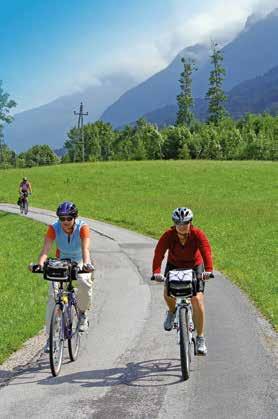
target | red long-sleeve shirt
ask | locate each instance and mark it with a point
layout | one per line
(195, 251)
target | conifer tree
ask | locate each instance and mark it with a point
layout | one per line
(185, 99)
(215, 94)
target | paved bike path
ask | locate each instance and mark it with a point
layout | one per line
(129, 367)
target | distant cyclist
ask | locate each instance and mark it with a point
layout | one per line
(188, 247)
(25, 186)
(72, 238)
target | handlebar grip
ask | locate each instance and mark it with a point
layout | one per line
(160, 278)
(37, 271)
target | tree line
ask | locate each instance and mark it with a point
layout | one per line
(252, 137)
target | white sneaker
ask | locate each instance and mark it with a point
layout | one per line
(201, 347)
(169, 321)
(83, 323)
(46, 347)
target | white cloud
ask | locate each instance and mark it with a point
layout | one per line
(218, 20)
(139, 61)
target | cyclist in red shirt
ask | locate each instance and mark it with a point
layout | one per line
(188, 247)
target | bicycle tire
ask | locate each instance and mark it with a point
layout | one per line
(56, 340)
(26, 207)
(74, 341)
(184, 344)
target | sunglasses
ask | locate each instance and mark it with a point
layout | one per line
(182, 223)
(62, 219)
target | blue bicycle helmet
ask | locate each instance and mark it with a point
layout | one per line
(67, 209)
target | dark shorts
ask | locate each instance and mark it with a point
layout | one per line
(198, 269)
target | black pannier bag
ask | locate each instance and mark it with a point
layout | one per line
(57, 270)
(179, 283)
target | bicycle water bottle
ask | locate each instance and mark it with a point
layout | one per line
(65, 299)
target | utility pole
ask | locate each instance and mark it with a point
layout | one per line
(80, 127)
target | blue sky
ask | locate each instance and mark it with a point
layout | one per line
(51, 48)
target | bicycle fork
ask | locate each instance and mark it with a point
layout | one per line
(190, 324)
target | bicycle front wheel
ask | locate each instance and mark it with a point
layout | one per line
(56, 340)
(26, 207)
(184, 344)
(74, 339)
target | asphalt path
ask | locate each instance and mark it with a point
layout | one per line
(129, 366)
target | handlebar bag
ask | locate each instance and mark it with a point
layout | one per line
(179, 283)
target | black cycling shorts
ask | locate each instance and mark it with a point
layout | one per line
(198, 269)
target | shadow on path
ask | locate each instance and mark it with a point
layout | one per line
(155, 372)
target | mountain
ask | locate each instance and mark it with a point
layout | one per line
(49, 124)
(252, 53)
(257, 95)
(155, 92)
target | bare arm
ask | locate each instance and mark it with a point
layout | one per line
(85, 244)
(45, 250)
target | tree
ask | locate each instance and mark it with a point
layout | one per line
(215, 94)
(149, 140)
(176, 140)
(185, 98)
(5, 105)
(123, 146)
(98, 142)
(38, 155)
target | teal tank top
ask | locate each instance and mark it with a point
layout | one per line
(69, 246)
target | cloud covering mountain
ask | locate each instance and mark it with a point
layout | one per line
(253, 52)
(49, 124)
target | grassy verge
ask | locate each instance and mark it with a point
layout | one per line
(23, 296)
(234, 202)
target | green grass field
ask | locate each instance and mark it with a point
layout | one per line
(23, 295)
(235, 203)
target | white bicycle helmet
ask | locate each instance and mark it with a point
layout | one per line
(182, 215)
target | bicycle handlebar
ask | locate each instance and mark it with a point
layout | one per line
(38, 269)
(195, 276)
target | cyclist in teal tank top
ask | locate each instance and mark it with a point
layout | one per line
(72, 238)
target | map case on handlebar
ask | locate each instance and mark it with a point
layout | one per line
(57, 270)
(179, 283)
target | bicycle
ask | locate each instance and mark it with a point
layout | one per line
(64, 323)
(23, 203)
(182, 284)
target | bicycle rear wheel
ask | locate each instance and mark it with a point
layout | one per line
(56, 340)
(74, 340)
(184, 344)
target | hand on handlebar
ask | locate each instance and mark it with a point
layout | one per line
(88, 267)
(35, 268)
(158, 278)
(206, 275)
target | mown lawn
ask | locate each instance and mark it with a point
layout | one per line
(234, 202)
(22, 295)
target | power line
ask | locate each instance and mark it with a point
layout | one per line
(80, 127)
